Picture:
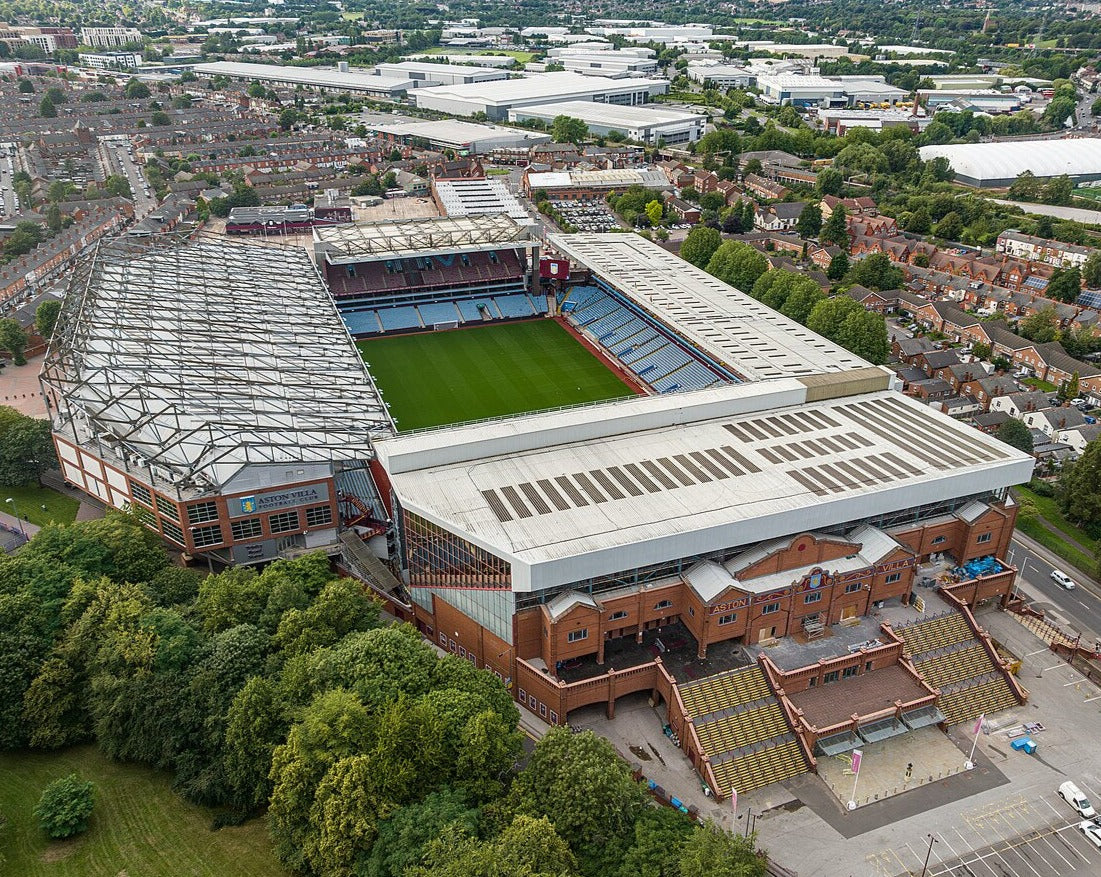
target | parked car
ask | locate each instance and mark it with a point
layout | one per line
(1074, 796)
(1092, 830)
(1062, 579)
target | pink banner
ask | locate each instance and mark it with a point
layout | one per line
(857, 755)
(978, 725)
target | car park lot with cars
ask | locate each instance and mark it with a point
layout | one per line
(587, 215)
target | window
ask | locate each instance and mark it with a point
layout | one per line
(211, 535)
(938, 540)
(577, 635)
(554, 717)
(618, 616)
(729, 618)
(146, 517)
(462, 652)
(168, 508)
(769, 608)
(984, 537)
(318, 515)
(523, 697)
(867, 666)
(813, 682)
(249, 528)
(691, 611)
(472, 658)
(664, 604)
(813, 597)
(892, 578)
(443, 639)
(849, 672)
(543, 710)
(173, 532)
(852, 588)
(201, 512)
(832, 676)
(283, 522)
(141, 493)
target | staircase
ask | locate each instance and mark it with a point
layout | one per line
(946, 651)
(361, 561)
(742, 730)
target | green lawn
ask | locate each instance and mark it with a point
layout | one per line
(435, 378)
(139, 825)
(1049, 510)
(1041, 385)
(521, 56)
(60, 509)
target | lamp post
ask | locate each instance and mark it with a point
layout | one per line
(18, 520)
(928, 853)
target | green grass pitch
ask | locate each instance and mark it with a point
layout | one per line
(436, 378)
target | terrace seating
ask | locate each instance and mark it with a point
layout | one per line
(468, 310)
(724, 690)
(438, 312)
(397, 319)
(987, 695)
(947, 668)
(754, 770)
(538, 303)
(361, 322)
(742, 728)
(935, 634)
(514, 306)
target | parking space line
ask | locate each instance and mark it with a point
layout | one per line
(1047, 840)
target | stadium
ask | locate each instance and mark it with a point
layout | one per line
(595, 474)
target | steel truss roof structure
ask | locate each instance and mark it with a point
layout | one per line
(204, 356)
(352, 242)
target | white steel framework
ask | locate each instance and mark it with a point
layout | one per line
(351, 242)
(205, 356)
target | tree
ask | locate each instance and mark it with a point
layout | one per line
(712, 201)
(579, 783)
(1070, 388)
(1091, 271)
(1060, 111)
(54, 220)
(65, 807)
(136, 89)
(404, 837)
(950, 227)
(566, 129)
(654, 211)
(255, 725)
(839, 266)
(700, 245)
(26, 86)
(160, 118)
(919, 222)
(829, 181)
(836, 228)
(1058, 190)
(1095, 108)
(810, 221)
(287, 118)
(1080, 487)
(13, 339)
(46, 109)
(738, 264)
(981, 350)
(712, 852)
(865, 334)
(26, 448)
(1041, 326)
(877, 272)
(1065, 285)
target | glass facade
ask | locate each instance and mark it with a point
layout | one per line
(436, 557)
(493, 610)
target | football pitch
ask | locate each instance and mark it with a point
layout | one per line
(436, 378)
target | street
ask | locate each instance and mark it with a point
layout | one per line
(1078, 610)
(117, 159)
(9, 201)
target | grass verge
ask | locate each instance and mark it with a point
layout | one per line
(1051, 541)
(59, 508)
(139, 826)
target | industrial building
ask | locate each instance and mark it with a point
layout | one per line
(647, 124)
(576, 184)
(309, 77)
(721, 76)
(996, 165)
(495, 99)
(841, 91)
(425, 73)
(469, 138)
(606, 61)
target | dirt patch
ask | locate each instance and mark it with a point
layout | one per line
(61, 849)
(640, 753)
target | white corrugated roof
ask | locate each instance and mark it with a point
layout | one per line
(1005, 161)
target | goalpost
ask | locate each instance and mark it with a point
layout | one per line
(447, 324)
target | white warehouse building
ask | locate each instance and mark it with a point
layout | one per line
(646, 124)
(496, 99)
(426, 73)
(993, 165)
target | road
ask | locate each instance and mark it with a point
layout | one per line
(1079, 609)
(116, 160)
(9, 202)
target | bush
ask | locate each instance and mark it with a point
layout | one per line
(65, 806)
(1041, 488)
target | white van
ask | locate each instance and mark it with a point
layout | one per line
(1062, 579)
(1074, 796)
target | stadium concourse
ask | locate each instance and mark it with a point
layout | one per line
(745, 540)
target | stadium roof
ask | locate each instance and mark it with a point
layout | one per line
(993, 164)
(750, 339)
(203, 357)
(357, 242)
(478, 197)
(571, 495)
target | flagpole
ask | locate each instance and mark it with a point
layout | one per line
(970, 763)
(858, 757)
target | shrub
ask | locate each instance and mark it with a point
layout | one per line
(65, 806)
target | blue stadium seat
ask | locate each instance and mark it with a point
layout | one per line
(514, 306)
(396, 319)
(469, 311)
(438, 312)
(361, 322)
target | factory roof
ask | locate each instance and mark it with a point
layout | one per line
(1005, 161)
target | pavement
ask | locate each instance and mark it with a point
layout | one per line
(1078, 610)
(19, 388)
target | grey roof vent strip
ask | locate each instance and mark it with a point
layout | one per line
(606, 483)
(741, 460)
(624, 481)
(724, 461)
(641, 477)
(692, 468)
(658, 475)
(807, 482)
(551, 492)
(496, 506)
(590, 489)
(571, 491)
(675, 471)
(915, 447)
(950, 435)
(512, 495)
(534, 498)
(939, 442)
